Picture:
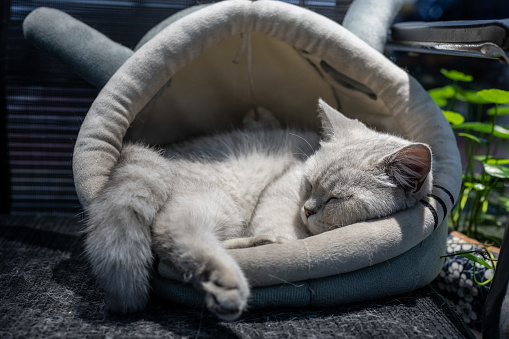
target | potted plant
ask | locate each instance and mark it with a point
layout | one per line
(477, 221)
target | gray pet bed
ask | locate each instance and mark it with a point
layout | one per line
(201, 70)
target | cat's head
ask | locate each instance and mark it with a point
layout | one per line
(359, 174)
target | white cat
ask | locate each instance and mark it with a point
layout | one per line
(249, 187)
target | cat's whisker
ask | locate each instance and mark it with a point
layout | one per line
(302, 152)
(307, 142)
(285, 281)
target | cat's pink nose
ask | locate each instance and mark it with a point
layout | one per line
(308, 213)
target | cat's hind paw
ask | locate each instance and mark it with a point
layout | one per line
(226, 290)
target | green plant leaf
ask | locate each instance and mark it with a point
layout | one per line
(501, 110)
(441, 94)
(441, 102)
(473, 137)
(471, 97)
(445, 92)
(475, 185)
(491, 159)
(485, 204)
(505, 202)
(481, 283)
(498, 161)
(498, 171)
(493, 95)
(464, 198)
(453, 117)
(456, 75)
(484, 127)
(475, 258)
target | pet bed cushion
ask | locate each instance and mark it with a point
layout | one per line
(202, 71)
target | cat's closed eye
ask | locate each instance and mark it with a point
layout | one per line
(340, 198)
(308, 187)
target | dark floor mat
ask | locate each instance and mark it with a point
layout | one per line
(48, 291)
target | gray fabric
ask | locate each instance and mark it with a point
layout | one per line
(372, 25)
(89, 53)
(373, 282)
(165, 23)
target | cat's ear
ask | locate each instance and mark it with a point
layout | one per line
(333, 122)
(409, 166)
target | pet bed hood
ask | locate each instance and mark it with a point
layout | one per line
(205, 70)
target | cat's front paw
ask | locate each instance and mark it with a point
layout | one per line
(226, 290)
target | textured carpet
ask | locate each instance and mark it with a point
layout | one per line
(48, 291)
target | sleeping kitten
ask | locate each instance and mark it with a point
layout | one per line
(249, 187)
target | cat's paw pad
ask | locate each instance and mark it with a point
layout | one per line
(226, 291)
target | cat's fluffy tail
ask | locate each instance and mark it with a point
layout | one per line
(118, 236)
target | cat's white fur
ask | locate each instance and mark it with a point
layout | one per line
(249, 187)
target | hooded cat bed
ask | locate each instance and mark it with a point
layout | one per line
(202, 70)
